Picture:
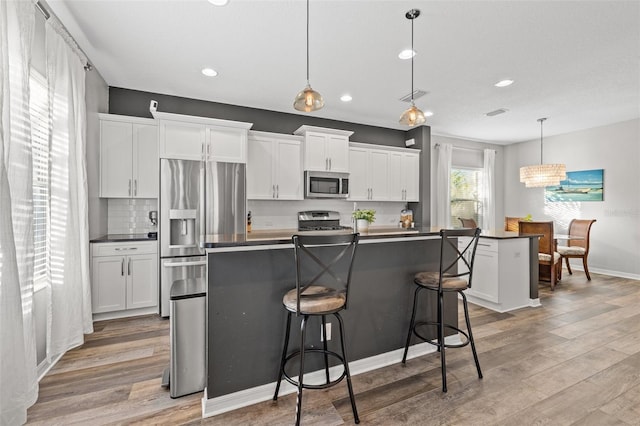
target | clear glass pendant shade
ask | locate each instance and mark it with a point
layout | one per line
(308, 100)
(542, 175)
(412, 116)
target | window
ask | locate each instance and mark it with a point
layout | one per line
(466, 194)
(38, 110)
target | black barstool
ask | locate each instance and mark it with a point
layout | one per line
(454, 276)
(323, 275)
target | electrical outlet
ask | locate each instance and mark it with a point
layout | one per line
(326, 332)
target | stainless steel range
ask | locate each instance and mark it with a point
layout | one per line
(320, 220)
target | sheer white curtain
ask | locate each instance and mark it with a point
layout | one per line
(70, 307)
(18, 374)
(489, 190)
(442, 212)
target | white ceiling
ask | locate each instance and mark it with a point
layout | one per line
(576, 62)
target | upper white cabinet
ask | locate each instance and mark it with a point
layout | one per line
(274, 167)
(181, 140)
(379, 173)
(368, 174)
(186, 137)
(128, 157)
(325, 149)
(404, 175)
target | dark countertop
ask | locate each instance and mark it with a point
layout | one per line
(283, 236)
(120, 238)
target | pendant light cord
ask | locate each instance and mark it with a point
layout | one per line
(541, 120)
(413, 54)
(307, 42)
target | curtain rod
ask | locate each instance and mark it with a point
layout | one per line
(460, 148)
(72, 42)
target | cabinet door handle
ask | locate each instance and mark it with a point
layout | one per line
(122, 267)
(277, 191)
(273, 191)
(326, 163)
(129, 267)
(129, 187)
(330, 164)
(135, 187)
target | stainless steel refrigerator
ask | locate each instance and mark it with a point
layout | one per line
(196, 198)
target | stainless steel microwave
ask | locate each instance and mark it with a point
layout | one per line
(326, 185)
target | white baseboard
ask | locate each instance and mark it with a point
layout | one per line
(607, 272)
(243, 398)
(45, 366)
(124, 314)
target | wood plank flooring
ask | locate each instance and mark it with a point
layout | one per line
(573, 361)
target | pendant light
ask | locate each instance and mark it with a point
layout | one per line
(412, 116)
(541, 175)
(308, 100)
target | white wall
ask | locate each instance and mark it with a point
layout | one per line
(97, 98)
(615, 237)
(480, 146)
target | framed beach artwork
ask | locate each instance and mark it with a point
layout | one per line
(583, 185)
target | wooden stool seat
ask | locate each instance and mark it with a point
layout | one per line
(432, 279)
(315, 299)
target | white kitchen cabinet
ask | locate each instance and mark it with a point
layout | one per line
(404, 173)
(124, 276)
(182, 140)
(325, 149)
(500, 274)
(186, 137)
(368, 173)
(128, 157)
(274, 167)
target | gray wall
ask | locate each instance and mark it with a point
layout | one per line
(615, 237)
(136, 103)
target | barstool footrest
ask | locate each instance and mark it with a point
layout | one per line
(447, 326)
(320, 386)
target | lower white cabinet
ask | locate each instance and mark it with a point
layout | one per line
(500, 273)
(124, 276)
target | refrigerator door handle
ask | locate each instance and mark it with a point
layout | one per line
(179, 264)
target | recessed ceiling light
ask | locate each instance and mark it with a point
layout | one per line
(504, 83)
(407, 54)
(218, 2)
(209, 72)
(428, 113)
(346, 98)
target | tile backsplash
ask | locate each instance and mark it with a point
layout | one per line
(130, 216)
(267, 214)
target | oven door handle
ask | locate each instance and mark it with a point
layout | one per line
(178, 264)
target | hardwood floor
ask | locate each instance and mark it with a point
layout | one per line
(575, 360)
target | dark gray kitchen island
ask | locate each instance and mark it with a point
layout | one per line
(247, 277)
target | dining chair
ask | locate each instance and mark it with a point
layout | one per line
(511, 223)
(468, 223)
(548, 257)
(577, 248)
